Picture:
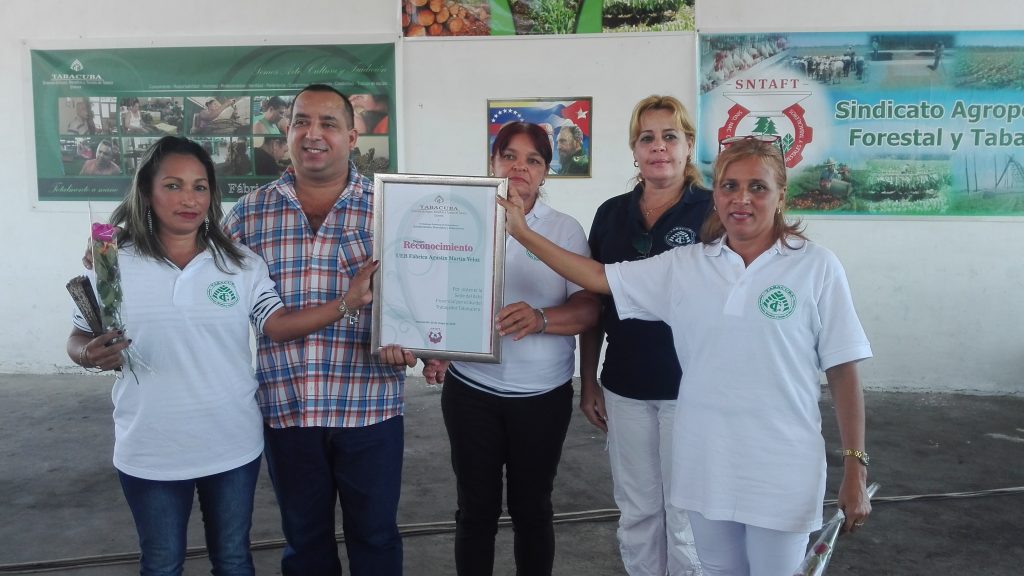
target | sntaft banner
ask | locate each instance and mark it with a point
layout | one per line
(887, 123)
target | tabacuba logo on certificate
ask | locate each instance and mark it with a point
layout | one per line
(434, 335)
(440, 205)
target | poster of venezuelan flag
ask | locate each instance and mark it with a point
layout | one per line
(875, 123)
(567, 121)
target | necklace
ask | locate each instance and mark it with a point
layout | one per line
(648, 211)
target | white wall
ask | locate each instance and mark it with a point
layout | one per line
(937, 297)
(446, 113)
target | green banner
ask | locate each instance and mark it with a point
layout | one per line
(527, 17)
(96, 111)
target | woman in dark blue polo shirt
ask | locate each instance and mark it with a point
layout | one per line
(641, 373)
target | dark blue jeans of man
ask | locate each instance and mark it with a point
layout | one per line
(521, 437)
(312, 469)
(161, 510)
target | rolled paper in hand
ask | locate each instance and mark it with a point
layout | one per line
(80, 288)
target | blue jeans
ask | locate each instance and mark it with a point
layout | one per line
(312, 468)
(161, 510)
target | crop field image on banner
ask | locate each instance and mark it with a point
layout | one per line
(98, 110)
(875, 123)
(530, 17)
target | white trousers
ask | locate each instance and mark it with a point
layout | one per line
(654, 537)
(733, 549)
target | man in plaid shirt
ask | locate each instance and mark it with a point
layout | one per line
(332, 410)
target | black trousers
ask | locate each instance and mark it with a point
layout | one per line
(523, 437)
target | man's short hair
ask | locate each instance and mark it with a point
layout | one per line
(576, 131)
(276, 102)
(350, 114)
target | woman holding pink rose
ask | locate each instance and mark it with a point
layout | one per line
(185, 417)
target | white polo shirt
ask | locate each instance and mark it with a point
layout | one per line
(539, 362)
(753, 341)
(190, 410)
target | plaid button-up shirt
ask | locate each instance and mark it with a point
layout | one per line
(328, 378)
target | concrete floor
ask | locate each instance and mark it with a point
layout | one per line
(60, 499)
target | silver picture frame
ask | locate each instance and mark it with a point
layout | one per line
(440, 241)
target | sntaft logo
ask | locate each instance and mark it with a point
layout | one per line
(777, 302)
(223, 293)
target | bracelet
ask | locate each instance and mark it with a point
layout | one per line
(544, 321)
(347, 313)
(83, 357)
(860, 455)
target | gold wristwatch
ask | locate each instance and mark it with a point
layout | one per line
(347, 313)
(859, 455)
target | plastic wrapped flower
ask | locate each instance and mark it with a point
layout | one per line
(108, 275)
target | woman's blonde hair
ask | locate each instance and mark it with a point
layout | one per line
(682, 119)
(769, 154)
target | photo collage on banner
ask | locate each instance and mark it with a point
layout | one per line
(526, 17)
(567, 121)
(98, 111)
(875, 123)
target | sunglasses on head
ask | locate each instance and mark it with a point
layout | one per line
(770, 138)
(642, 243)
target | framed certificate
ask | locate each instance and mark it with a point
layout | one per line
(440, 241)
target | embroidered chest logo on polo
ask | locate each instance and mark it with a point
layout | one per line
(777, 302)
(680, 236)
(532, 255)
(223, 293)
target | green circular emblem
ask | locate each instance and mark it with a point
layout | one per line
(223, 293)
(777, 302)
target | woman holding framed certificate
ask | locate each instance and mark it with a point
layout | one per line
(757, 312)
(510, 419)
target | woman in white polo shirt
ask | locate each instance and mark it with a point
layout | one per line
(757, 312)
(512, 418)
(185, 416)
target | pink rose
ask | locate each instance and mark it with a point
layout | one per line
(103, 232)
